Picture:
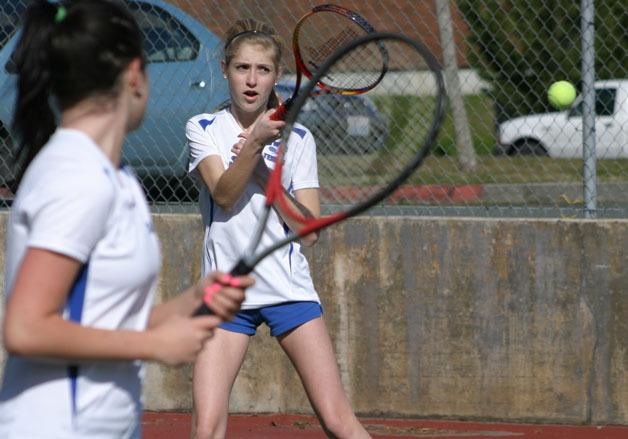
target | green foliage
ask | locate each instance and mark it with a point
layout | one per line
(399, 110)
(521, 47)
(481, 116)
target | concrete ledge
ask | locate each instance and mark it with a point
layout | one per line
(500, 319)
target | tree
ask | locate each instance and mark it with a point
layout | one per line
(520, 47)
(466, 153)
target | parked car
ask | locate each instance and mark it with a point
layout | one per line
(185, 79)
(559, 134)
(341, 124)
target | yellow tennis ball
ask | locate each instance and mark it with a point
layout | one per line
(561, 94)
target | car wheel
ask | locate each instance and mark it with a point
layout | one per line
(363, 145)
(528, 147)
(376, 139)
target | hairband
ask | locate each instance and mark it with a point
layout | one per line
(61, 13)
(230, 40)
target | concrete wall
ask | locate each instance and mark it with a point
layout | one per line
(434, 317)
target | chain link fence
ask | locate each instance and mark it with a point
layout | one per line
(503, 150)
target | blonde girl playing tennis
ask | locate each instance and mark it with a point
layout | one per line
(230, 153)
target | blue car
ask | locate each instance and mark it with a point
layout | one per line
(341, 124)
(185, 79)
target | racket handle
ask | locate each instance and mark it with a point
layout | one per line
(240, 269)
(282, 110)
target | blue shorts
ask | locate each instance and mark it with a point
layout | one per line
(280, 318)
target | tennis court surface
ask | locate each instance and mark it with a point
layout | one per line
(282, 426)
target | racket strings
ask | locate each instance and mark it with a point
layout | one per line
(359, 69)
(320, 34)
(376, 134)
(319, 47)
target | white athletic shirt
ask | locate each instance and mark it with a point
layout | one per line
(284, 275)
(74, 202)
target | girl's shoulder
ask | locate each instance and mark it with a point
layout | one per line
(301, 134)
(71, 162)
(205, 120)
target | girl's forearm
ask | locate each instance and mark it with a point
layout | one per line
(55, 337)
(233, 181)
(261, 175)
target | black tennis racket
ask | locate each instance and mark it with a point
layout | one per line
(317, 34)
(360, 169)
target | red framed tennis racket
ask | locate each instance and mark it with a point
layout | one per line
(353, 179)
(317, 34)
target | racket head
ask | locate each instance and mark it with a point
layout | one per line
(356, 173)
(318, 34)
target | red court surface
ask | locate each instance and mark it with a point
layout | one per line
(280, 426)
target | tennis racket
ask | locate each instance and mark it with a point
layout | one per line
(316, 35)
(360, 170)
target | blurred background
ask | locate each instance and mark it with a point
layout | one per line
(503, 152)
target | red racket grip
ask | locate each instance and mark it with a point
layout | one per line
(282, 110)
(280, 113)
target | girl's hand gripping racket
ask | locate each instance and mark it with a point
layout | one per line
(317, 34)
(361, 170)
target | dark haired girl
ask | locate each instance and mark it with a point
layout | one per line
(82, 256)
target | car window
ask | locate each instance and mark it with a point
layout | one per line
(604, 103)
(165, 38)
(10, 15)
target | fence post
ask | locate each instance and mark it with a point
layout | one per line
(466, 153)
(588, 108)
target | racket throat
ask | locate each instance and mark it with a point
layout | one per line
(287, 105)
(242, 267)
